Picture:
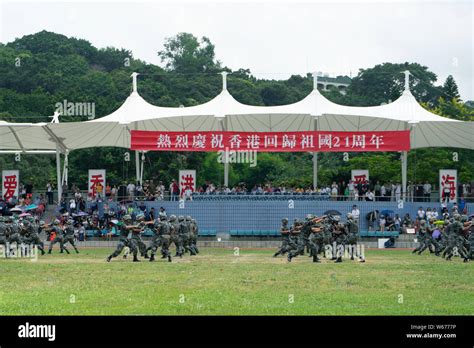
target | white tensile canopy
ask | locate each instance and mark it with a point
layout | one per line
(314, 112)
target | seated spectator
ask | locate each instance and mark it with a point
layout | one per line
(390, 223)
(397, 222)
(382, 222)
(372, 217)
(407, 221)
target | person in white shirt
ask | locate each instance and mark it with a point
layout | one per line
(369, 196)
(131, 190)
(398, 192)
(427, 191)
(383, 192)
(355, 212)
(420, 214)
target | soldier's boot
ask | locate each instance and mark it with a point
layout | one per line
(196, 248)
(77, 251)
(109, 258)
(49, 251)
(316, 259)
(169, 257)
(152, 258)
(361, 259)
(414, 250)
(135, 258)
(338, 260)
(466, 259)
(67, 251)
(276, 254)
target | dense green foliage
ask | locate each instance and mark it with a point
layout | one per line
(39, 70)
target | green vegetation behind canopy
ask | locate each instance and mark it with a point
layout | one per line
(37, 71)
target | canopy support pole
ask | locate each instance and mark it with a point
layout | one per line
(58, 173)
(226, 168)
(137, 165)
(65, 169)
(315, 170)
(141, 167)
(404, 160)
(315, 154)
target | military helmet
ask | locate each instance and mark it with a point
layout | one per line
(188, 218)
(140, 217)
(194, 221)
(127, 218)
(172, 217)
(336, 218)
(56, 222)
(463, 218)
(180, 218)
(309, 216)
(349, 215)
(457, 217)
(2, 219)
(422, 221)
(284, 220)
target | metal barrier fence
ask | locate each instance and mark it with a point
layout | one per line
(226, 215)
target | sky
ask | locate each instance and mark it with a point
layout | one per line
(274, 39)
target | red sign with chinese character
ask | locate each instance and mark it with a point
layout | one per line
(96, 182)
(314, 141)
(10, 184)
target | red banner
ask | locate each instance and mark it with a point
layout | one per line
(315, 141)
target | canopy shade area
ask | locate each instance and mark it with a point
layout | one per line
(223, 112)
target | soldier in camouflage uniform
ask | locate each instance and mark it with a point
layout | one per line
(161, 239)
(126, 240)
(69, 236)
(423, 238)
(59, 238)
(3, 232)
(316, 238)
(14, 232)
(456, 240)
(136, 235)
(285, 238)
(297, 240)
(339, 235)
(174, 233)
(31, 236)
(470, 227)
(352, 228)
(194, 235)
(188, 247)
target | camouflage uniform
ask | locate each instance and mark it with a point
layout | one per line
(125, 240)
(69, 236)
(162, 238)
(175, 237)
(59, 237)
(352, 229)
(297, 242)
(285, 238)
(194, 235)
(32, 235)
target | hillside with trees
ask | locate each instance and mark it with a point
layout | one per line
(39, 70)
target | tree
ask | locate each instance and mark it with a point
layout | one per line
(450, 88)
(185, 54)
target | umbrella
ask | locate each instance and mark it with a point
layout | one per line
(81, 213)
(436, 234)
(16, 210)
(387, 212)
(24, 214)
(332, 212)
(31, 207)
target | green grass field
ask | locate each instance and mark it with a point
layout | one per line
(391, 282)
